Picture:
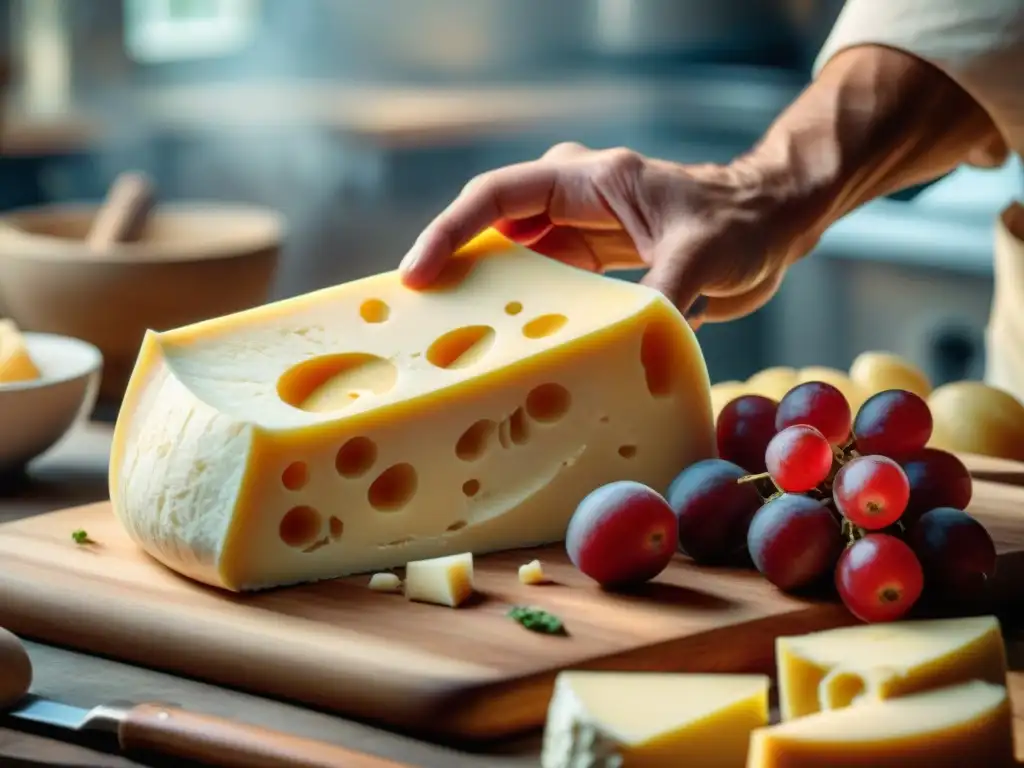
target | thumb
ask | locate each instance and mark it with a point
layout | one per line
(676, 276)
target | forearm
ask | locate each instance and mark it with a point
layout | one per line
(875, 120)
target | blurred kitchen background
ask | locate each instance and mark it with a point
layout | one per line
(360, 119)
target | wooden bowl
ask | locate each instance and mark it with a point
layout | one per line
(194, 262)
(36, 414)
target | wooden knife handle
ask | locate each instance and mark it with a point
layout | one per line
(123, 215)
(193, 736)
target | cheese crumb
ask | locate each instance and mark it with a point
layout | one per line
(385, 582)
(532, 573)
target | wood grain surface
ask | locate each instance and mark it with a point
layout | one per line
(469, 673)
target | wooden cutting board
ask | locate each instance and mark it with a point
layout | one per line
(447, 674)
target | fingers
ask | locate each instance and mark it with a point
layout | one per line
(514, 192)
(723, 308)
(678, 275)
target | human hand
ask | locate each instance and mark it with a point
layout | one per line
(716, 239)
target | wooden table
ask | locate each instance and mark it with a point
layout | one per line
(76, 473)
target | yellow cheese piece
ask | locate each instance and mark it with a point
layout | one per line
(838, 667)
(385, 582)
(16, 363)
(531, 573)
(773, 382)
(627, 719)
(969, 725)
(441, 580)
(362, 426)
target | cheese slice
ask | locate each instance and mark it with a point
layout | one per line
(970, 724)
(16, 363)
(441, 580)
(362, 426)
(838, 667)
(626, 719)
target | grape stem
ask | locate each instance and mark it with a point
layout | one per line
(754, 478)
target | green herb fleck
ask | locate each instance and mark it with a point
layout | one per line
(81, 537)
(537, 620)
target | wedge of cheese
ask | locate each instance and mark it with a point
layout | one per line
(16, 363)
(363, 426)
(838, 667)
(652, 720)
(967, 725)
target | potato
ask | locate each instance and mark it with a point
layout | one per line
(772, 382)
(854, 393)
(974, 417)
(877, 371)
(725, 392)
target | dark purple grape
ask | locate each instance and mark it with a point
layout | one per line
(745, 427)
(894, 423)
(713, 509)
(794, 541)
(937, 479)
(817, 405)
(956, 552)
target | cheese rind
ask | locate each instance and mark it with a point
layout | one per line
(837, 667)
(653, 720)
(16, 363)
(362, 426)
(441, 580)
(970, 724)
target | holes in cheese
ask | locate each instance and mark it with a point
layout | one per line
(300, 526)
(545, 325)
(513, 308)
(657, 358)
(461, 347)
(548, 402)
(295, 476)
(473, 442)
(374, 311)
(333, 382)
(356, 457)
(627, 451)
(217, 412)
(458, 525)
(393, 488)
(337, 527)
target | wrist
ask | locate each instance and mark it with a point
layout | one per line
(874, 121)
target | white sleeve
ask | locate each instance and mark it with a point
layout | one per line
(978, 43)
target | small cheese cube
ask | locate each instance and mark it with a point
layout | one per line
(355, 428)
(838, 667)
(441, 580)
(385, 582)
(16, 363)
(654, 720)
(531, 573)
(970, 724)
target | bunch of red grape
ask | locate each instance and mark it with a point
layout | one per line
(809, 493)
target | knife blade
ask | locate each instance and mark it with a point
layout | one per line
(175, 732)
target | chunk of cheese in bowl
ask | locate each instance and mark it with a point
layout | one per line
(359, 427)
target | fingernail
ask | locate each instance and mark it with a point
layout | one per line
(697, 308)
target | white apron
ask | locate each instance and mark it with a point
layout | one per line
(980, 44)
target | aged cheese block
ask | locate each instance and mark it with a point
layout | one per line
(838, 667)
(967, 725)
(360, 427)
(15, 362)
(623, 719)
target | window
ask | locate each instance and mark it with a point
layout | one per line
(159, 31)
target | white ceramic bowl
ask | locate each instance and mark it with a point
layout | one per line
(35, 415)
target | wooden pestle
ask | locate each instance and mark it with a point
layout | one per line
(122, 217)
